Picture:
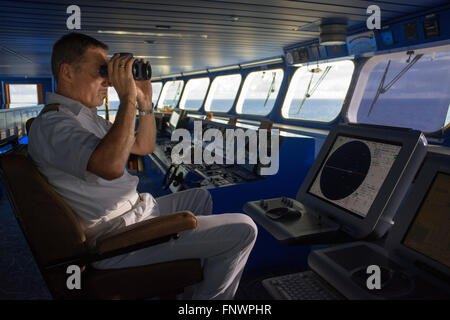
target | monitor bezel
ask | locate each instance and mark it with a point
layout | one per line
(360, 226)
(181, 115)
(434, 164)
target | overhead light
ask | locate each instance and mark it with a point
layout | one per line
(194, 72)
(176, 75)
(261, 62)
(147, 57)
(236, 66)
(156, 34)
(153, 57)
(333, 34)
(136, 33)
(234, 18)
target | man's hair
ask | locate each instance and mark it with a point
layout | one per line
(70, 49)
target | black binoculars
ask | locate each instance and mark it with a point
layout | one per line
(141, 70)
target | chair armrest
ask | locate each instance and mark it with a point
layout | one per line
(146, 231)
(134, 237)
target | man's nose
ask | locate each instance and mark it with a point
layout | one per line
(106, 82)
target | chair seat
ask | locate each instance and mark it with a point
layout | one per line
(154, 280)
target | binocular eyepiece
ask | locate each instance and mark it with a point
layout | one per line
(141, 70)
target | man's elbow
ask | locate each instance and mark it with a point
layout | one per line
(144, 150)
(112, 174)
(107, 172)
(150, 150)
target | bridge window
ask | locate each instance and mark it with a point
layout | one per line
(259, 92)
(447, 119)
(101, 111)
(23, 95)
(113, 103)
(156, 87)
(404, 89)
(194, 94)
(223, 93)
(317, 92)
(171, 94)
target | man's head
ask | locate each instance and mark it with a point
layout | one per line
(76, 59)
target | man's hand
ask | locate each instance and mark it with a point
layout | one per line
(121, 78)
(144, 93)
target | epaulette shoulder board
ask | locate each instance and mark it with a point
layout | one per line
(50, 107)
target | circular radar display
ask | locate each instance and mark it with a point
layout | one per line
(345, 170)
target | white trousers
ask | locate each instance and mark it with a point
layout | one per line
(222, 241)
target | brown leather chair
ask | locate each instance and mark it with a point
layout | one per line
(57, 240)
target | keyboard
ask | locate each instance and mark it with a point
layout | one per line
(300, 286)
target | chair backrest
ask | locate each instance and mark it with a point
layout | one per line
(28, 125)
(49, 224)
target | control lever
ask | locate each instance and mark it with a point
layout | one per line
(178, 179)
(170, 175)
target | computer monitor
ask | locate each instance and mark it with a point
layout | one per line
(176, 118)
(422, 230)
(353, 173)
(361, 174)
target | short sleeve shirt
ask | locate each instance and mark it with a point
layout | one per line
(61, 143)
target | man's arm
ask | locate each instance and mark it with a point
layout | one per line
(146, 133)
(145, 136)
(111, 154)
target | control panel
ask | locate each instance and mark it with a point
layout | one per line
(290, 222)
(190, 175)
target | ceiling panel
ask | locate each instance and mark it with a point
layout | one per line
(201, 34)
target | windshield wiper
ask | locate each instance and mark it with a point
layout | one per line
(271, 88)
(382, 89)
(308, 93)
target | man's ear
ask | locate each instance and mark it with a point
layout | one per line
(66, 72)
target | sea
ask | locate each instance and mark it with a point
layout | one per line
(325, 110)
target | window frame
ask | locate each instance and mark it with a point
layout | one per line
(243, 86)
(204, 98)
(162, 90)
(344, 102)
(366, 71)
(8, 93)
(446, 126)
(235, 97)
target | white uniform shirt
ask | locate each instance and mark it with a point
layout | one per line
(60, 144)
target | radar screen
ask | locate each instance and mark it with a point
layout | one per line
(429, 232)
(353, 173)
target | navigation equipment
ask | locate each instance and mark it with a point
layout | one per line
(353, 173)
(361, 174)
(415, 260)
(177, 117)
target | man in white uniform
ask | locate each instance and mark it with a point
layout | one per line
(83, 157)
